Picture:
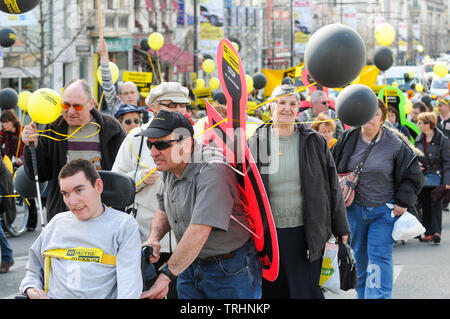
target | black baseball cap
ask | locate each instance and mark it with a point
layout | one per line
(167, 122)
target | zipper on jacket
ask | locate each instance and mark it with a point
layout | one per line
(307, 254)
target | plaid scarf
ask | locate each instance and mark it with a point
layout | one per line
(9, 141)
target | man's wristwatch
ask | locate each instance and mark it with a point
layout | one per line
(164, 269)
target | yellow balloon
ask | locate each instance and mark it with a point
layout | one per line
(419, 87)
(214, 83)
(427, 58)
(411, 74)
(199, 84)
(114, 73)
(440, 69)
(395, 84)
(44, 106)
(249, 81)
(23, 100)
(156, 41)
(384, 33)
(8, 163)
(208, 65)
(420, 48)
(408, 106)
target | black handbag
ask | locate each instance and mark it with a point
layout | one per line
(347, 267)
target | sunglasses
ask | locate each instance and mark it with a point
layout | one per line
(162, 145)
(76, 107)
(173, 105)
(136, 121)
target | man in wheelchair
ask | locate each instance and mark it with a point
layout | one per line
(89, 252)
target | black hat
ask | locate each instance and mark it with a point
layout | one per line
(167, 122)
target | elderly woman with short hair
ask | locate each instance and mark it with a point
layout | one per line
(300, 178)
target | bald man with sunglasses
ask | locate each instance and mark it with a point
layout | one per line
(94, 136)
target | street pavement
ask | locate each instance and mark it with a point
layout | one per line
(421, 270)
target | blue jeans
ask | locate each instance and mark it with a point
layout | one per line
(7, 253)
(239, 277)
(371, 240)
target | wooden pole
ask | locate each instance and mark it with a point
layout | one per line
(100, 19)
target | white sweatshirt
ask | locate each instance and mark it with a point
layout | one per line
(115, 232)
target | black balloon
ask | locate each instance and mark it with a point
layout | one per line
(7, 37)
(26, 186)
(383, 58)
(17, 6)
(144, 45)
(259, 81)
(8, 99)
(356, 105)
(335, 55)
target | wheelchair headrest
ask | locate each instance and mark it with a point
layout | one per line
(118, 189)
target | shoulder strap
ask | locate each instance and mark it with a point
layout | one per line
(358, 168)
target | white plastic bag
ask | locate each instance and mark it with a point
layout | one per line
(329, 274)
(406, 227)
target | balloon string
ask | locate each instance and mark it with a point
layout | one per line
(151, 172)
(151, 63)
(21, 127)
(15, 195)
(66, 137)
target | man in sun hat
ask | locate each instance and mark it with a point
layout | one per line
(200, 202)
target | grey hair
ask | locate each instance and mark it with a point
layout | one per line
(316, 94)
(84, 85)
(128, 82)
(285, 89)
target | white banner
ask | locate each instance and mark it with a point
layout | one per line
(302, 24)
(403, 36)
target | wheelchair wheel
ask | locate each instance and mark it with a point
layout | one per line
(19, 225)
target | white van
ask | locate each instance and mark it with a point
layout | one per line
(439, 86)
(396, 74)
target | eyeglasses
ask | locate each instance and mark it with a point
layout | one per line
(173, 105)
(136, 121)
(162, 145)
(76, 107)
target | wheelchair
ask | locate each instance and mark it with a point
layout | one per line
(14, 211)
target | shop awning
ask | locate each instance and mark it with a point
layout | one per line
(182, 59)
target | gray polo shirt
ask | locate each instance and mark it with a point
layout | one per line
(206, 194)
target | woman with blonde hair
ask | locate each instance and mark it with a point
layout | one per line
(325, 126)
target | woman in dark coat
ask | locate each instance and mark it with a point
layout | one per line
(299, 175)
(436, 160)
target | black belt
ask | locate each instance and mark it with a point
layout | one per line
(222, 256)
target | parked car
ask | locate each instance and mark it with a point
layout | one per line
(206, 16)
(301, 28)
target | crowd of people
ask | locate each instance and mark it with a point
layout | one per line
(188, 206)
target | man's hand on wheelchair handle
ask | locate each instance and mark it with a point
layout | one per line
(159, 289)
(156, 246)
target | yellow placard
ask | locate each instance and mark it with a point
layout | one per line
(230, 57)
(137, 77)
